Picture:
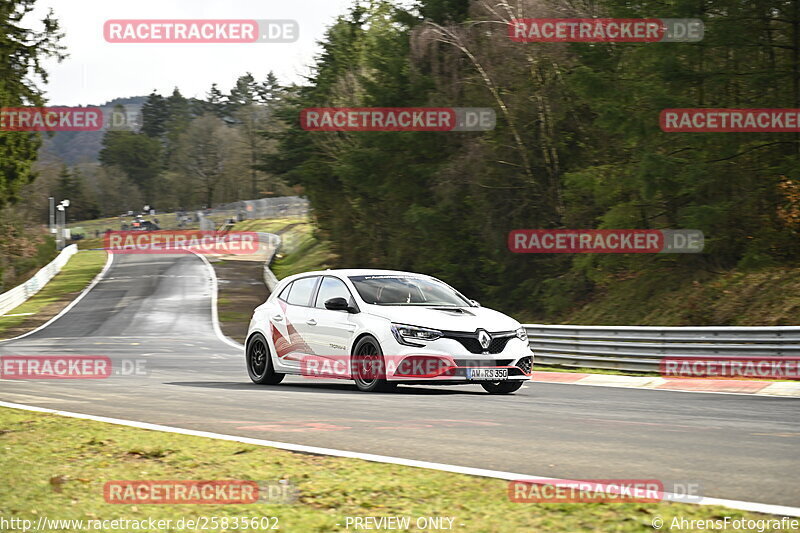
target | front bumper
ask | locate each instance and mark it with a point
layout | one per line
(448, 360)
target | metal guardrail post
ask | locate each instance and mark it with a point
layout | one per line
(275, 241)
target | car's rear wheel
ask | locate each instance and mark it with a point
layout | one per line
(368, 367)
(259, 362)
(502, 387)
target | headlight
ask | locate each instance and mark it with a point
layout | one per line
(405, 334)
(522, 335)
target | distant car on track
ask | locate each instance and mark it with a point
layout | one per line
(381, 328)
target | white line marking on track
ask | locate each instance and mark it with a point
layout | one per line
(780, 510)
(214, 314)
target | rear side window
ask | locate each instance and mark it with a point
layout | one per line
(284, 295)
(301, 292)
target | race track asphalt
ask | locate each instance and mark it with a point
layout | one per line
(156, 309)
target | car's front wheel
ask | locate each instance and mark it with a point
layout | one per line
(502, 387)
(259, 362)
(368, 367)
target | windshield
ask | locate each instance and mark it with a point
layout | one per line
(396, 289)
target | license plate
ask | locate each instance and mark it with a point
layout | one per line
(492, 374)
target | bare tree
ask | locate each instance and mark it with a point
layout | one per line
(208, 155)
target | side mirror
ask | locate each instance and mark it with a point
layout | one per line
(476, 303)
(338, 304)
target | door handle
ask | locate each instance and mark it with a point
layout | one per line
(278, 318)
(311, 322)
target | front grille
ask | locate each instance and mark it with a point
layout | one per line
(480, 363)
(472, 344)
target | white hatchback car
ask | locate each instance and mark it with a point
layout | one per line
(381, 328)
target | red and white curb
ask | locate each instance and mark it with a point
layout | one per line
(786, 389)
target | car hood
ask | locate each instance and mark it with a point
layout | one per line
(468, 319)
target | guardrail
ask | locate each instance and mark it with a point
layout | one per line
(641, 348)
(274, 242)
(276, 207)
(19, 294)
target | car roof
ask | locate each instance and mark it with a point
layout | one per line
(346, 272)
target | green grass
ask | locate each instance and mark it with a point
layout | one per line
(88, 227)
(73, 278)
(306, 253)
(234, 316)
(270, 225)
(91, 244)
(56, 467)
(765, 297)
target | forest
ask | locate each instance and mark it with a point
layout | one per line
(577, 145)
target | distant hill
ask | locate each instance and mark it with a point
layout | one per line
(72, 147)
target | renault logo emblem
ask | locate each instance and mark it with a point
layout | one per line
(485, 339)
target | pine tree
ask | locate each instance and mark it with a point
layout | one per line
(22, 53)
(270, 91)
(214, 102)
(154, 116)
(178, 118)
(243, 94)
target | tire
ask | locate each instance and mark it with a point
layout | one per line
(368, 367)
(502, 387)
(259, 362)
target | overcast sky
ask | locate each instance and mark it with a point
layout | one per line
(97, 71)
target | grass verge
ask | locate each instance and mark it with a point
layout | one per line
(305, 253)
(241, 283)
(53, 297)
(56, 467)
(766, 297)
(300, 251)
(91, 244)
(269, 225)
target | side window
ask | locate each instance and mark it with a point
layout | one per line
(301, 292)
(284, 295)
(331, 288)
